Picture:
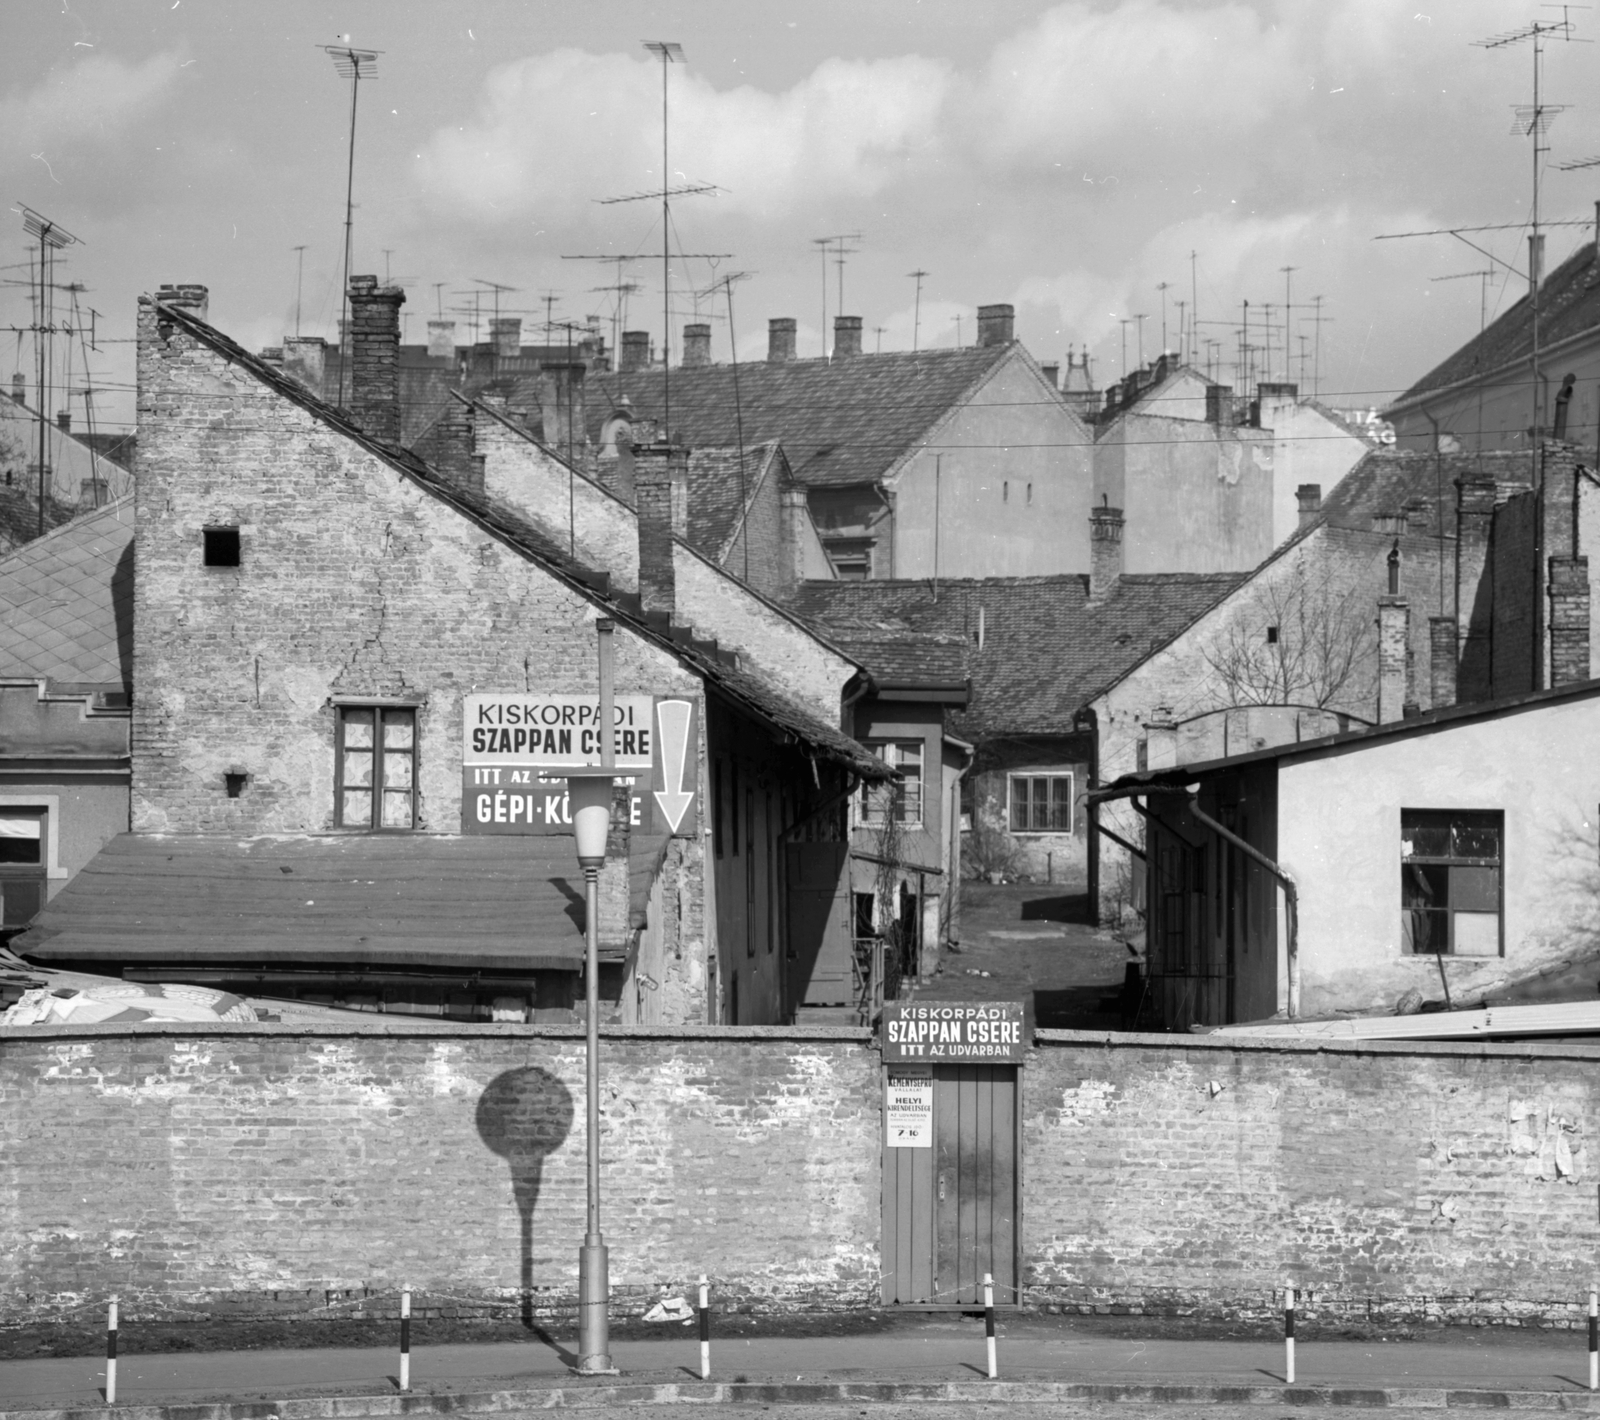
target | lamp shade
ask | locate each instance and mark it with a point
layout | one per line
(589, 797)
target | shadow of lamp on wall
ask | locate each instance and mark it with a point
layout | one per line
(525, 1115)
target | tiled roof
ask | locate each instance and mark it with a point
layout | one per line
(523, 536)
(67, 602)
(716, 498)
(1569, 304)
(19, 514)
(841, 422)
(1386, 481)
(1046, 651)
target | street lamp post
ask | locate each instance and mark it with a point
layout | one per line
(589, 796)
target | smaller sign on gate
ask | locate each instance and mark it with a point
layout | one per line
(908, 1107)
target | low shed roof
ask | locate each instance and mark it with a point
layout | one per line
(497, 903)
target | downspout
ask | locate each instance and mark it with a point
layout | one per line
(1291, 896)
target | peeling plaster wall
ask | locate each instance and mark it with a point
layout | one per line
(1389, 1182)
(258, 1169)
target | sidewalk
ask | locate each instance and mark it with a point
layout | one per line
(942, 1361)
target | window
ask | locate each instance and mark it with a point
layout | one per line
(1272, 636)
(905, 795)
(1450, 881)
(851, 559)
(22, 865)
(1041, 803)
(375, 768)
(222, 547)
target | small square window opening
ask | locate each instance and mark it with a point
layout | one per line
(1272, 636)
(234, 783)
(222, 547)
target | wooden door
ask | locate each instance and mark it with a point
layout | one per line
(818, 907)
(950, 1210)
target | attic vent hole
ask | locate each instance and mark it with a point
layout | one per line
(235, 784)
(222, 547)
(1272, 636)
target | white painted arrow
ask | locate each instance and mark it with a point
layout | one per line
(672, 734)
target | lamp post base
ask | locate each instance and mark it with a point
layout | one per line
(594, 1325)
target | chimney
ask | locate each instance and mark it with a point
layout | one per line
(64, 420)
(795, 515)
(561, 403)
(1475, 500)
(441, 340)
(1569, 620)
(19, 388)
(305, 359)
(661, 497)
(1219, 405)
(696, 346)
(1309, 496)
(635, 351)
(780, 340)
(1053, 374)
(192, 296)
(1394, 635)
(995, 324)
(846, 337)
(1535, 261)
(505, 334)
(449, 447)
(1442, 662)
(92, 493)
(375, 357)
(1105, 550)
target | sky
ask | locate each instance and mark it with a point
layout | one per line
(1066, 158)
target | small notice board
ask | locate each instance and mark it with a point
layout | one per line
(908, 1107)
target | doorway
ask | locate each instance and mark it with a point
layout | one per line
(950, 1204)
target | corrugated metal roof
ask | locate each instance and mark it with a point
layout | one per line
(67, 602)
(503, 903)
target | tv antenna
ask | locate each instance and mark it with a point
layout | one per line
(834, 249)
(354, 65)
(916, 319)
(1163, 287)
(727, 284)
(499, 288)
(51, 237)
(1288, 339)
(299, 284)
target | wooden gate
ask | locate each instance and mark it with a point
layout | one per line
(819, 924)
(950, 1209)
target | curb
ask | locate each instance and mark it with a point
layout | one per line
(586, 1397)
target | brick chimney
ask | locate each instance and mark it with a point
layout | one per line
(1105, 550)
(192, 296)
(561, 404)
(19, 389)
(1569, 620)
(696, 346)
(794, 525)
(846, 337)
(661, 497)
(450, 447)
(1442, 662)
(93, 493)
(635, 351)
(1309, 496)
(505, 334)
(305, 360)
(996, 324)
(780, 340)
(1219, 405)
(375, 357)
(1053, 374)
(441, 340)
(1394, 641)
(64, 420)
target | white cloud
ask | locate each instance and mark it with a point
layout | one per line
(93, 97)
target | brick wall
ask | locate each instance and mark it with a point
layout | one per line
(1513, 632)
(236, 1169)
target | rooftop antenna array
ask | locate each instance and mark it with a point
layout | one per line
(354, 65)
(833, 249)
(52, 237)
(727, 284)
(299, 285)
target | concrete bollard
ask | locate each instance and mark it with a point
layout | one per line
(1594, 1338)
(111, 1351)
(988, 1324)
(705, 1329)
(1288, 1335)
(405, 1338)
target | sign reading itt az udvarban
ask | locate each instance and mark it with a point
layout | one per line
(516, 747)
(952, 1032)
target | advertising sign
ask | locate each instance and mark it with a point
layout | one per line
(952, 1032)
(908, 1107)
(516, 748)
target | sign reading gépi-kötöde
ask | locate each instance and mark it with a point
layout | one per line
(947, 1032)
(515, 749)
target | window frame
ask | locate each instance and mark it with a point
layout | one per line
(1069, 775)
(863, 797)
(36, 873)
(378, 710)
(1448, 861)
